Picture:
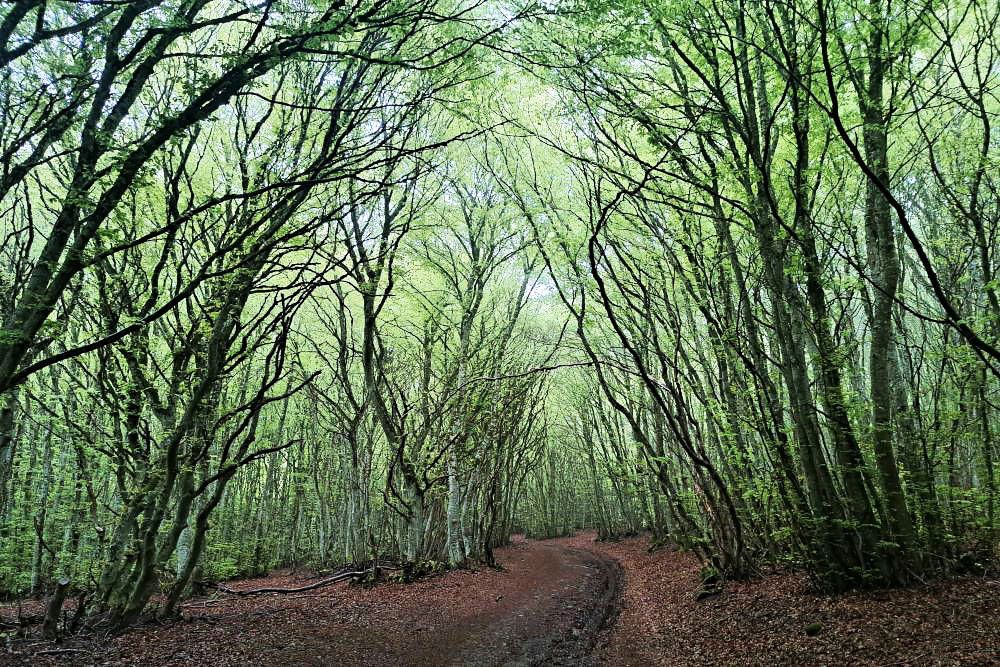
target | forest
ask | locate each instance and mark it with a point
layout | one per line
(394, 290)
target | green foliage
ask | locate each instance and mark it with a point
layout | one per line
(433, 275)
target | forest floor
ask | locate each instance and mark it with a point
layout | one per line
(570, 601)
(765, 621)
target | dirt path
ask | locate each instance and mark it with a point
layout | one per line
(549, 609)
(555, 618)
(551, 606)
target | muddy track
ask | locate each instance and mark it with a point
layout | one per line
(599, 617)
(553, 605)
(563, 627)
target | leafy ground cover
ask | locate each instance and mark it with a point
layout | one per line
(571, 601)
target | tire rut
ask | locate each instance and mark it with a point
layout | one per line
(580, 647)
(564, 629)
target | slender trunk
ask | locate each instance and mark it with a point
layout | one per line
(884, 269)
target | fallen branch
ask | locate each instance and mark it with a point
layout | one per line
(302, 589)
